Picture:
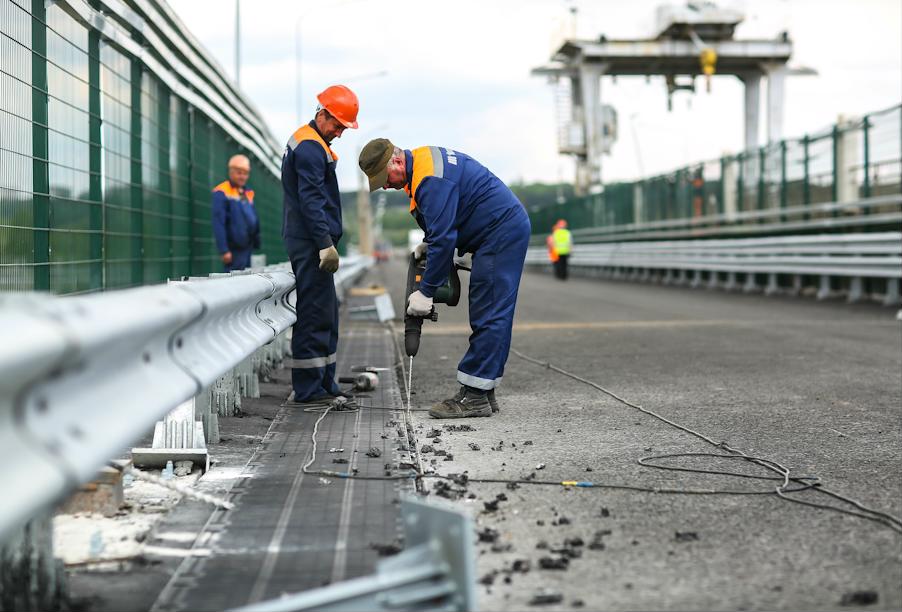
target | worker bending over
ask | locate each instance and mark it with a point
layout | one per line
(311, 228)
(460, 204)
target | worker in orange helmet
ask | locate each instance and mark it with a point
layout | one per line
(561, 241)
(311, 228)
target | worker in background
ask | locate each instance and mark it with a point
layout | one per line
(311, 229)
(562, 241)
(460, 204)
(552, 252)
(236, 226)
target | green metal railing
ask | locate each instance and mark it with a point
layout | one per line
(114, 128)
(850, 161)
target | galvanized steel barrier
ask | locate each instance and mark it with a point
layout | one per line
(83, 377)
(855, 257)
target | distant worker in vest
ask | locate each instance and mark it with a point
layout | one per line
(311, 229)
(552, 251)
(562, 241)
(236, 226)
(460, 204)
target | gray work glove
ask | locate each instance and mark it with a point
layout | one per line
(328, 259)
(419, 251)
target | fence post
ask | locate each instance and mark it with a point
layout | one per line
(835, 190)
(867, 160)
(95, 155)
(40, 148)
(782, 178)
(137, 173)
(806, 181)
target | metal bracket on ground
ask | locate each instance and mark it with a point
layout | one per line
(178, 437)
(436, 571)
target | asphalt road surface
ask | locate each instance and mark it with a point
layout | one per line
(813, 386)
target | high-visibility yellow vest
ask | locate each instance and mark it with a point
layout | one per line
(562, 241)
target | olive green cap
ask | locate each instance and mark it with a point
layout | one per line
(374, 158)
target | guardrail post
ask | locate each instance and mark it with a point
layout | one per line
(891, 297)
(730, 284)
(696, 279)
(825, 289)
(806, 181)
(713, 279)
(751, 283)
(773, 287)
(856, 289)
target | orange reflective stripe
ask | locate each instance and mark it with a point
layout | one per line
(226, 188)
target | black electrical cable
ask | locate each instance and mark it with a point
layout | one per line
(781, 490)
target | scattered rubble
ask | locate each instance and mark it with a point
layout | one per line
(686, 536)
(487, 534)
(859, 598)
(546, 596)
(554, 563)
(474, 446)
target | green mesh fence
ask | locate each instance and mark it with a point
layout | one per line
(106, 169)
(852, 160)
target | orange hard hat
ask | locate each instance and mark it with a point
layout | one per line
(560, 224)
(341, 103)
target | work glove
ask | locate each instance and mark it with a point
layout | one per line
(418, 305)
(419, 251)
(328, 259)
(464, 261)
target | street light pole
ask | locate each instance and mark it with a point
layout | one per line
(238, 42)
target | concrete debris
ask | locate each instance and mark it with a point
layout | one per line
(386, 550)
(489, 578)
(339, 460)
(426, 449)
(443, 489)
(336, 450)
(574, 542)
(374, 451)
(527, 443)
(183, 468)
(459, 428)
(500, 548)
(859, 598)
(487, 534)
(605, 513)
(544, 597)
(562, 520)
(434, 433)
(554, 563)
(474, 446)
(541, 466)
(597, 542)
(577, 603)
(512, 486)
(542, 545)
(491, 506)
(441, 453)
(686, 536)
(460, 479)
(324, 481)
(521, 566)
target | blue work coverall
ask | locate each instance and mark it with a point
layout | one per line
(236, 226)
(311, 222)
(460, 204)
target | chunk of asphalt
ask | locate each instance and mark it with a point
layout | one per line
(426, 449)
(386, 550)
(491, 506)
(554, 563)
(685, 536)
(374, 451)
(434, 433)
(527, 443)
(487, 534)
(521, 566)
(544, 597)
(859, 598)
(489, 578)
(498, 547)
(542, 545)
(474, 446)
(605, 513)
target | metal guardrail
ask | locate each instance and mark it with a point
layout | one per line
(853, 256)
(83, 377)
(820, 217)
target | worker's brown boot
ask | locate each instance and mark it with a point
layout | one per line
(463, 405)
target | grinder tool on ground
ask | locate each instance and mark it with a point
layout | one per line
(449, 294)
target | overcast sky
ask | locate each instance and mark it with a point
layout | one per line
(457, 74)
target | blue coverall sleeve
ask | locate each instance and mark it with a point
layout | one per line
(310, 167)
(220, 216)
(437, 200)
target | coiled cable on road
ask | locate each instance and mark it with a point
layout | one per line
(784, 473)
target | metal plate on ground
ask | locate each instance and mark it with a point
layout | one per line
(291, 531)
